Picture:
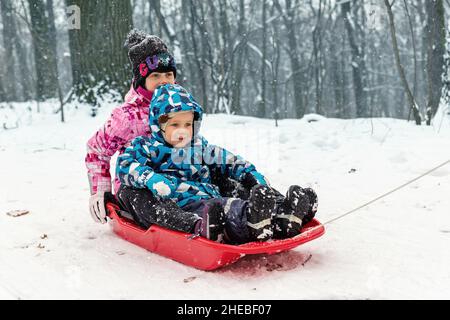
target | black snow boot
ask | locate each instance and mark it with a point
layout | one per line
(261, 208)
(290, 213)
(313, 203)
(211, 223)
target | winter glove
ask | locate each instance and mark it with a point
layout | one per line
(249, 181)
(97, 206)
(162, 185)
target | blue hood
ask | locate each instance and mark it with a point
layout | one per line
(172, 98)
(180, 174)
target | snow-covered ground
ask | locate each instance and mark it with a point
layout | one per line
(397, 247)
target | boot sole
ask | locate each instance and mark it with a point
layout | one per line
(262, 230)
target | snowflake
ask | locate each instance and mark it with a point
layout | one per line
(164, 59)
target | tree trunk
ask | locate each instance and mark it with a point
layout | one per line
(422, 51)
(336, 80)
(53, 42)
(151, 23)
(238, 70)
(317, 65)
(288, 19)
(9, 34)
(189, 70)
(45, 61)
(2, 90)
(200, 51)
(411, 99)
(261, 113)
(346, 111)
(226, 61)
(99, 61)
(413, 41)
(275, 39)
(445, 97)
(358, 65)
(435, 54)
(52, 28)
(27, 91)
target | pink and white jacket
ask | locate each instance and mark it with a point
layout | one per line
(126, 122)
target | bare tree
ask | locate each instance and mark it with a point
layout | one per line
(26, 76)
(413, 41)
(317, 55)
(202, 51)
(261, 111)
(288, 14)
(337, 75)
(275, 64)
(241, 50)
(411, 99)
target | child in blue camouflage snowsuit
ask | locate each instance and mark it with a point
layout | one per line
(175, 163)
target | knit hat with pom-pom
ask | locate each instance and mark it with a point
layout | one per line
(147, 54)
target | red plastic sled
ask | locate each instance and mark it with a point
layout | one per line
(202, 253)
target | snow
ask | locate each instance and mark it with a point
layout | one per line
(162, 188)
(395, 248)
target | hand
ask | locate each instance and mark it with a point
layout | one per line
(248, 182)
(97, 207)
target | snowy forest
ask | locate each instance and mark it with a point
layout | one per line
(270, 59)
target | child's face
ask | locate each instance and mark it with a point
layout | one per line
(156, 79)
(178, 131)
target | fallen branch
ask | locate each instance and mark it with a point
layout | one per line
(307, 259)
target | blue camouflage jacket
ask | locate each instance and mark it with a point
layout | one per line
(180, 174)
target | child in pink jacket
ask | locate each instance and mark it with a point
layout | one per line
(153, 65)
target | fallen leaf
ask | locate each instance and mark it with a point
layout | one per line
(17, 213)
(189, 279)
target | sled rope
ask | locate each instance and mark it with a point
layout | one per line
(388, 193)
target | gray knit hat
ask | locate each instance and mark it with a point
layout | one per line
(148, 53)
